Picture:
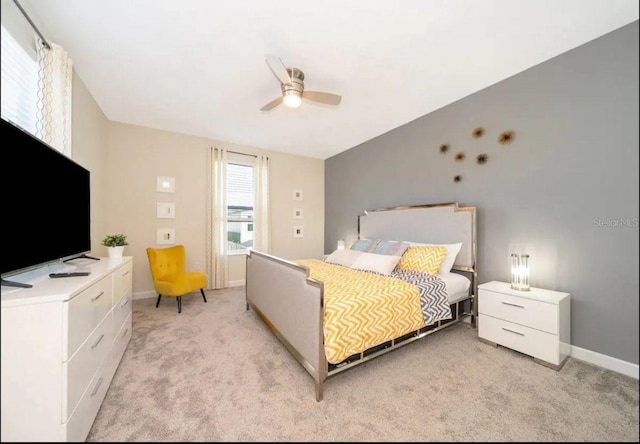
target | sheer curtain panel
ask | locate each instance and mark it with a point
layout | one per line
(55, 75)
(262, 211)
(217, 251)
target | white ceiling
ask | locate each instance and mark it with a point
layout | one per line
(197, 67)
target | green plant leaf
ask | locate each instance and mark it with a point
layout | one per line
(115, 240)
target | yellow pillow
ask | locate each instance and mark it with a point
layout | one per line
(426, 259)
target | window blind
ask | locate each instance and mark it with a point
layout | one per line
(19, 83)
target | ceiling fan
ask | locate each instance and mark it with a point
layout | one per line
(292, 86)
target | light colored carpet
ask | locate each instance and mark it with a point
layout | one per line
(215, 372)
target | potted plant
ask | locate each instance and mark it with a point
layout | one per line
(115, 244)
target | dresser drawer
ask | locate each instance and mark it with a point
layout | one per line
(526, 340)
(81, 420)
(528, 312)
(122, 279)
(120, 342)
(122, 310)
(84, 312)
(79, 370)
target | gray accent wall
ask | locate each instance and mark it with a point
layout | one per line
(565, 190)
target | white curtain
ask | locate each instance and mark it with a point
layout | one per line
(55, 74)
(262, 214)
(217, 251)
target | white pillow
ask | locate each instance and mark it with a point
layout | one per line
(379, 263)
(449, 259)
(343, 257)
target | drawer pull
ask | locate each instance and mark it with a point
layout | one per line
(95, 298)
(513, 331)
(98, 341)
(95, 389)
(125, 333)
(513, 305)
(125, 273)
(125, 302)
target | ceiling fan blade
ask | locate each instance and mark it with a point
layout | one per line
(269, 106)
(278, 69)
(322, 97)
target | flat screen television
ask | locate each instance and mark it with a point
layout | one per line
(46, 204)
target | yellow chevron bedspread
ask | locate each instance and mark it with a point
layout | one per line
(362, 309)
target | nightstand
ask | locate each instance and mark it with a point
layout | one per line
(534, 322)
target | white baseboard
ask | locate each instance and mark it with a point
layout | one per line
(604, 361)
(236, 283)
(144, 295)
(153, 294)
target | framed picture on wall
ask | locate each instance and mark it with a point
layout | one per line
(297, 213)
(297, 195)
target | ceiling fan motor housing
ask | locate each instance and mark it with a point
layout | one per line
(292, 85)
(297, 82)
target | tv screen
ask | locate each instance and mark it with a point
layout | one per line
(46, 203)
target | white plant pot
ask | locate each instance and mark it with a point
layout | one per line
(115, 252)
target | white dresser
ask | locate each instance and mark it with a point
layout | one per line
(62, 341)
(534, 322)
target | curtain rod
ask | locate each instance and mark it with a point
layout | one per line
(243, 154)
(44, 41)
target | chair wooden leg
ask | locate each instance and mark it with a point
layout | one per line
(158, 301)
(179, 304)
(203, 296)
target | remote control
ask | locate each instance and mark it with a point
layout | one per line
(73, 273)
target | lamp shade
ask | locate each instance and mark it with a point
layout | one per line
(520, 272)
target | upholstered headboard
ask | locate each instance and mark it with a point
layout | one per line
(445, 223)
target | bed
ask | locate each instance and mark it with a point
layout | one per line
(298, 300)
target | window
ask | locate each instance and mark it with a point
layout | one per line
(19, 84)
(240, 202)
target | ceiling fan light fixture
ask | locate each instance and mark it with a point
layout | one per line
(292, 99)
(292, 85)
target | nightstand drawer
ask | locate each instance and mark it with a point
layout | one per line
(526, 340)
(527, 312)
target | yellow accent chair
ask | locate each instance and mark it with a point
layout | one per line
(169, 276)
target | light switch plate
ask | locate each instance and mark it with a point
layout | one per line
(166, 236)
(166, 210)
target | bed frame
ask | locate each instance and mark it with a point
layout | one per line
(291, 303)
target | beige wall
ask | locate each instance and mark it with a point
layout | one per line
(137, 155)
(89, 135)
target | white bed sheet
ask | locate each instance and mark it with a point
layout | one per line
(457, 286)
